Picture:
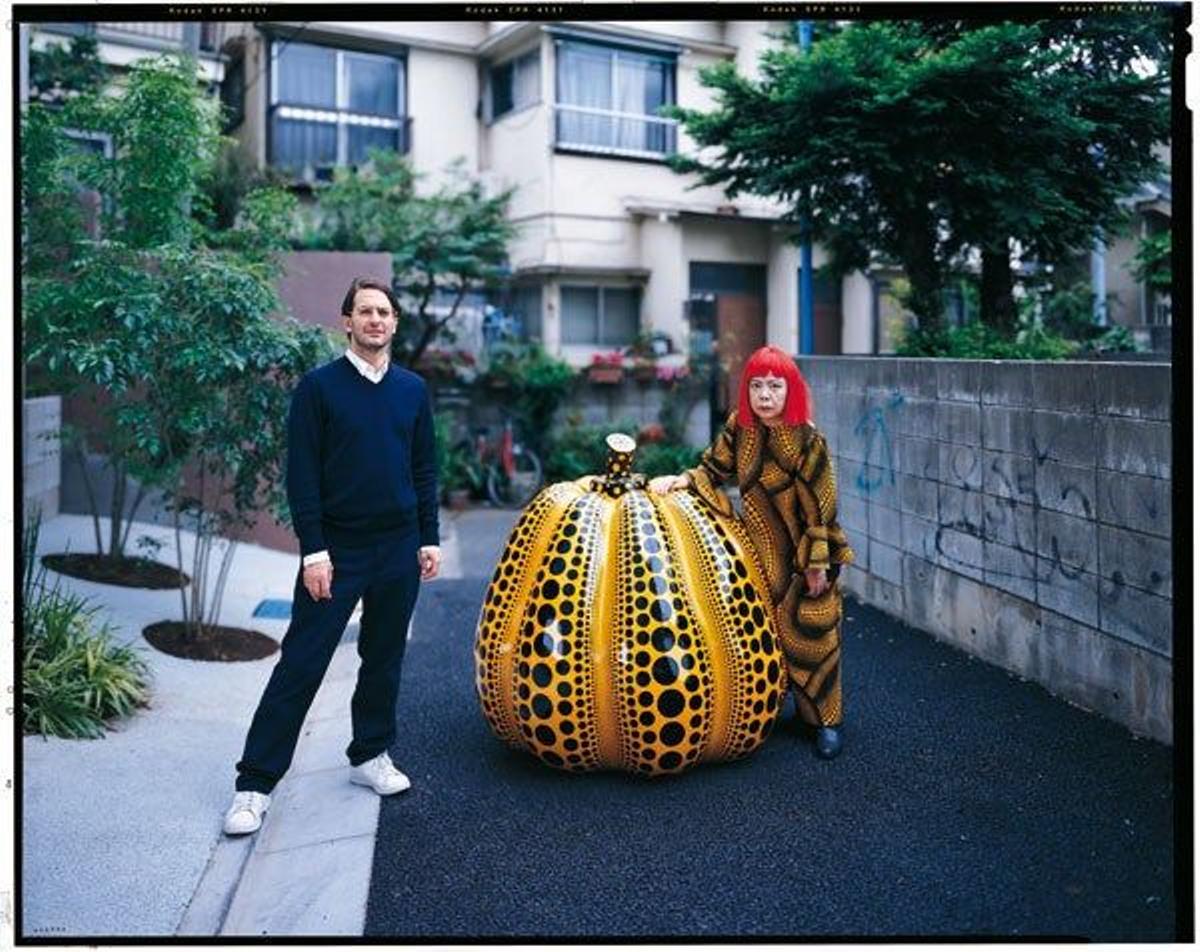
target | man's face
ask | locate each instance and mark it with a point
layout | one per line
(372, 322)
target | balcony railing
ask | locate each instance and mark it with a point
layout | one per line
(324, 143)
(190, 36)
(611, 132)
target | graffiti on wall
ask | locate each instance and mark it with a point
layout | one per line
(878, 464)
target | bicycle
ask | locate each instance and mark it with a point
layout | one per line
(508, 471)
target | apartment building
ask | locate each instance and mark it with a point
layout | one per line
(611, 242)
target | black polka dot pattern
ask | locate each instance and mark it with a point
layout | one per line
(747, 640)
(554, 644)
(499, 616)
(660, 664)
(626, 632)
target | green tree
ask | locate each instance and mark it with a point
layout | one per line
(840, 135)
(172, 321)
(922, 141)
(1152, 264)
(89, 305)
(1053, 122)
(62, 70)
(454, 240)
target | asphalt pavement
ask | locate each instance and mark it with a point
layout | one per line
(967, 803)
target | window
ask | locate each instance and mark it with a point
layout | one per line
(93, 203)
(608, 100)
(527, 310)
(329, 106)
(514, 85)
(607, 317)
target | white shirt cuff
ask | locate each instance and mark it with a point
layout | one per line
(314, 557)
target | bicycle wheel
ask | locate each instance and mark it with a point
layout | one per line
(524, 483)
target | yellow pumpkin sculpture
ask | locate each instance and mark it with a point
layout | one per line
(624, 630)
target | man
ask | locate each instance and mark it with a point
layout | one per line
(362, 488)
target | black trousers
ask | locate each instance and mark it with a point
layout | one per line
(385, 575)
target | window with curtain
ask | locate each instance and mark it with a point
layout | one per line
(605, 317)
(526, 310)
(330, 106)
(514, 85)
(608, 100)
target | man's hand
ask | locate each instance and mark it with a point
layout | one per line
(318, 579)
(430, 559)
(817, 581)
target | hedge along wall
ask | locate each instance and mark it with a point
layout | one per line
(1019, 510)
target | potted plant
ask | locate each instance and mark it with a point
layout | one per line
(607, 368)
(645, 350)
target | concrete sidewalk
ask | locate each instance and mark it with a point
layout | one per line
(122, 837)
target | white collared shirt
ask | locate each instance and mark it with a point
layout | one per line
(375, 376)
(364, 368)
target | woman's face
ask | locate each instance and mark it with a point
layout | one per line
(768, 394)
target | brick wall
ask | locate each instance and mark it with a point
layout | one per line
(1020, 510)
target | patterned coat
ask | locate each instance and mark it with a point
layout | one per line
(789, 508)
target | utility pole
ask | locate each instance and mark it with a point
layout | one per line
(804, 39)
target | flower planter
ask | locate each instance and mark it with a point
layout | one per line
(606, 375)
(644, 374)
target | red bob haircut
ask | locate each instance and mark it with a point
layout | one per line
(771, 360)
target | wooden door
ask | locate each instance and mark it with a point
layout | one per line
(741, 330)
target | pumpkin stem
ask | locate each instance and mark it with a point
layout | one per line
(619, 477)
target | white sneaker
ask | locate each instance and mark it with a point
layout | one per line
(381, 775)
(246, 812)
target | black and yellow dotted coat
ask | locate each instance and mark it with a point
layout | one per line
(789, 508)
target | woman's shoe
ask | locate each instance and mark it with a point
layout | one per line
(829, 742)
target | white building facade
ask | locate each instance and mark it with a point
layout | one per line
(611, 242)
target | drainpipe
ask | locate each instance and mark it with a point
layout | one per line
(1099, 314)
(804, 39)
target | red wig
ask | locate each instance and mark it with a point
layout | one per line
(771, 360)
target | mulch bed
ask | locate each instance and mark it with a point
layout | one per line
(129, 572)
(219, 643)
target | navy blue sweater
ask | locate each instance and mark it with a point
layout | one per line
(361, 463)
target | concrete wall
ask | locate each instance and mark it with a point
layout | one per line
(443, 89)
(1019, 510)
(41, 460)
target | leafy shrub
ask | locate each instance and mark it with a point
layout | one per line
(663, 459)
(539, 384)
(1152, 264)
(579, 449)
(1116, 338)
(74, 678)
(979, 341)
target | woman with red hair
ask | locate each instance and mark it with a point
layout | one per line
(789, 506)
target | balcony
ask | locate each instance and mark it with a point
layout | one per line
(609, 132)
(311, 143)
(191, 37)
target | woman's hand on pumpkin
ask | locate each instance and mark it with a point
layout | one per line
(665, 484)
(817, 581)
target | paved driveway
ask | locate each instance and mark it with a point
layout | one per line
(966, 803)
